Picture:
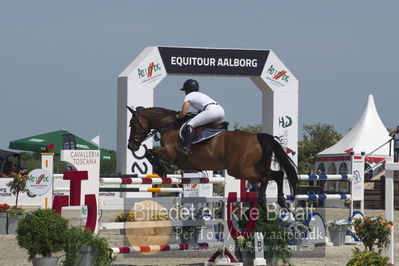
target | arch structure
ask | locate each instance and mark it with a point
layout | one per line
(136, 86)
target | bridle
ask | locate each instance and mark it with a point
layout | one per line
(138, 139)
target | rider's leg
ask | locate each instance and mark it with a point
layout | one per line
(213, 114)
(188, 132)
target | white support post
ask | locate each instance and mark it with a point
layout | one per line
(48, 165)
(259, 249)
(390, 166)
(357, 186)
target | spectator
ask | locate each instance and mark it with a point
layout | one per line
(395, 135)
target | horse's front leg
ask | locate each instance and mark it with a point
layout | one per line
(155, 155)
(153, 158)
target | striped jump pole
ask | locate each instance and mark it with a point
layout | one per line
(320, 196)
(128, 176)
(134, 189)
(139, 176)
(143, 249)
(326, 177)
(159, 181)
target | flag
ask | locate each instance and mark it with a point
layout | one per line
(51, 146)
(96, 140)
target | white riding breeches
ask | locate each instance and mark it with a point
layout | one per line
(212, 113)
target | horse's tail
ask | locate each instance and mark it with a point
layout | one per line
(269, 146)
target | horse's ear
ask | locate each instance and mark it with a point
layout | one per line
(131, 110)
(138, 108)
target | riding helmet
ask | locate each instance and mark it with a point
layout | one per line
(190, 85)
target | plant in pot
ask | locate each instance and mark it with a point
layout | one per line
(123, 218)
(42, 232)
(276, 237)
(373, 232)
(3, 218)
(15, 214)
(84, 249)
(246, 250)
(189, 232)
(367, 257)
(337, 230)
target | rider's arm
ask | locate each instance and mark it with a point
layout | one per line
(184, 110)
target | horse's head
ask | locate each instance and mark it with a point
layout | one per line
(139, 129)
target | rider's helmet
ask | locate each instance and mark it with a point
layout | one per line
(190, 85)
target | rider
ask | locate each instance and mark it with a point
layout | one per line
(210, 111)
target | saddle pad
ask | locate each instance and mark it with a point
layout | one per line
(206, 133)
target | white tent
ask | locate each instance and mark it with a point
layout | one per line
(367, 135)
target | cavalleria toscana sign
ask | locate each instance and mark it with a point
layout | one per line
(39, 182)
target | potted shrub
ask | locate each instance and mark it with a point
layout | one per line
(275, 241)
(123, 218)
(189, 234)
(373, 232)
(42, 232)
(367, 257)
(17, 185)
(245, 250)
(85, 249)
(276, 237)
(3, 218)
(337, 230)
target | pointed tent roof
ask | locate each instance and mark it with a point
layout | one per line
(365, 136)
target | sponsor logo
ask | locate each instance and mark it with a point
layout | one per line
(285, 121)
(148, 72)
(278, 74)
(357, 179)
(39, 182)
(82, 146)
(36, 140)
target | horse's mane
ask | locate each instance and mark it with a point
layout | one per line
(160, 111)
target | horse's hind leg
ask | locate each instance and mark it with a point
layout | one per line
(262, 193)
(278, 176)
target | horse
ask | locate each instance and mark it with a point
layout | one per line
(244, 155)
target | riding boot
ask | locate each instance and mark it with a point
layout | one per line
(188, 139)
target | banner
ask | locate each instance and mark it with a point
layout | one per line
(213, 61)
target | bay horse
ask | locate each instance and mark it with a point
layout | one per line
(244, 155)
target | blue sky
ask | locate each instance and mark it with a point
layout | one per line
(59, 61)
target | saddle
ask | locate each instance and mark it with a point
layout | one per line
(207, 131)
(214, 125)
